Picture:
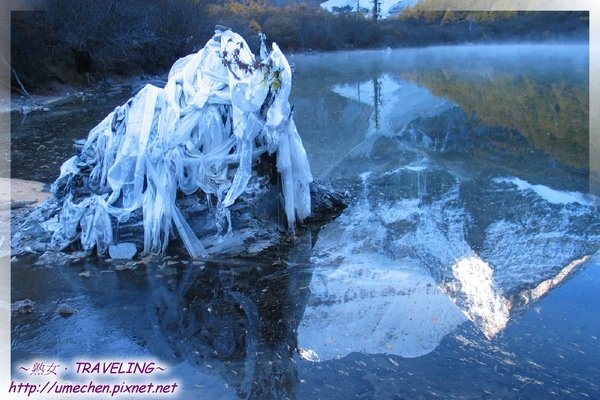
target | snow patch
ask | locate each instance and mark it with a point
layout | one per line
(484, 304)
(550, 195)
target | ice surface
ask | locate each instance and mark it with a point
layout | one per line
(375, 304)
(364, 299)
(487, 242)
(400, 268)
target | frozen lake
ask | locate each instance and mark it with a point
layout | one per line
(466, 265)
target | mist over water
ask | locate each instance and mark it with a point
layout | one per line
(465, 266)
(541, 90)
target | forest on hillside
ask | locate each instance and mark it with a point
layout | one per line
(82, 42)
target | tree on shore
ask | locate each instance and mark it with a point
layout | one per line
(376, 10)
(84, 41)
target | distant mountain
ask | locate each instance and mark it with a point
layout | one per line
(389, 8)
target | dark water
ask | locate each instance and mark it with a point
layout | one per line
(42, 141)
(466, 265)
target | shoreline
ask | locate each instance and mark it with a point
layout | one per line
(17, 198)
(58, 94)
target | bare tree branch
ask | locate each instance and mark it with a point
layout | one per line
(25, 92)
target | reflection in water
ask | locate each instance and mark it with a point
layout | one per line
(483, 303)
(424, 200)
(374, 304)
(540, 90)
(377, 94)
(217, 316)
(233, 322)
(455, 217)
(363, 300)
(552, 116)
(240, 318)
(377, 102)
